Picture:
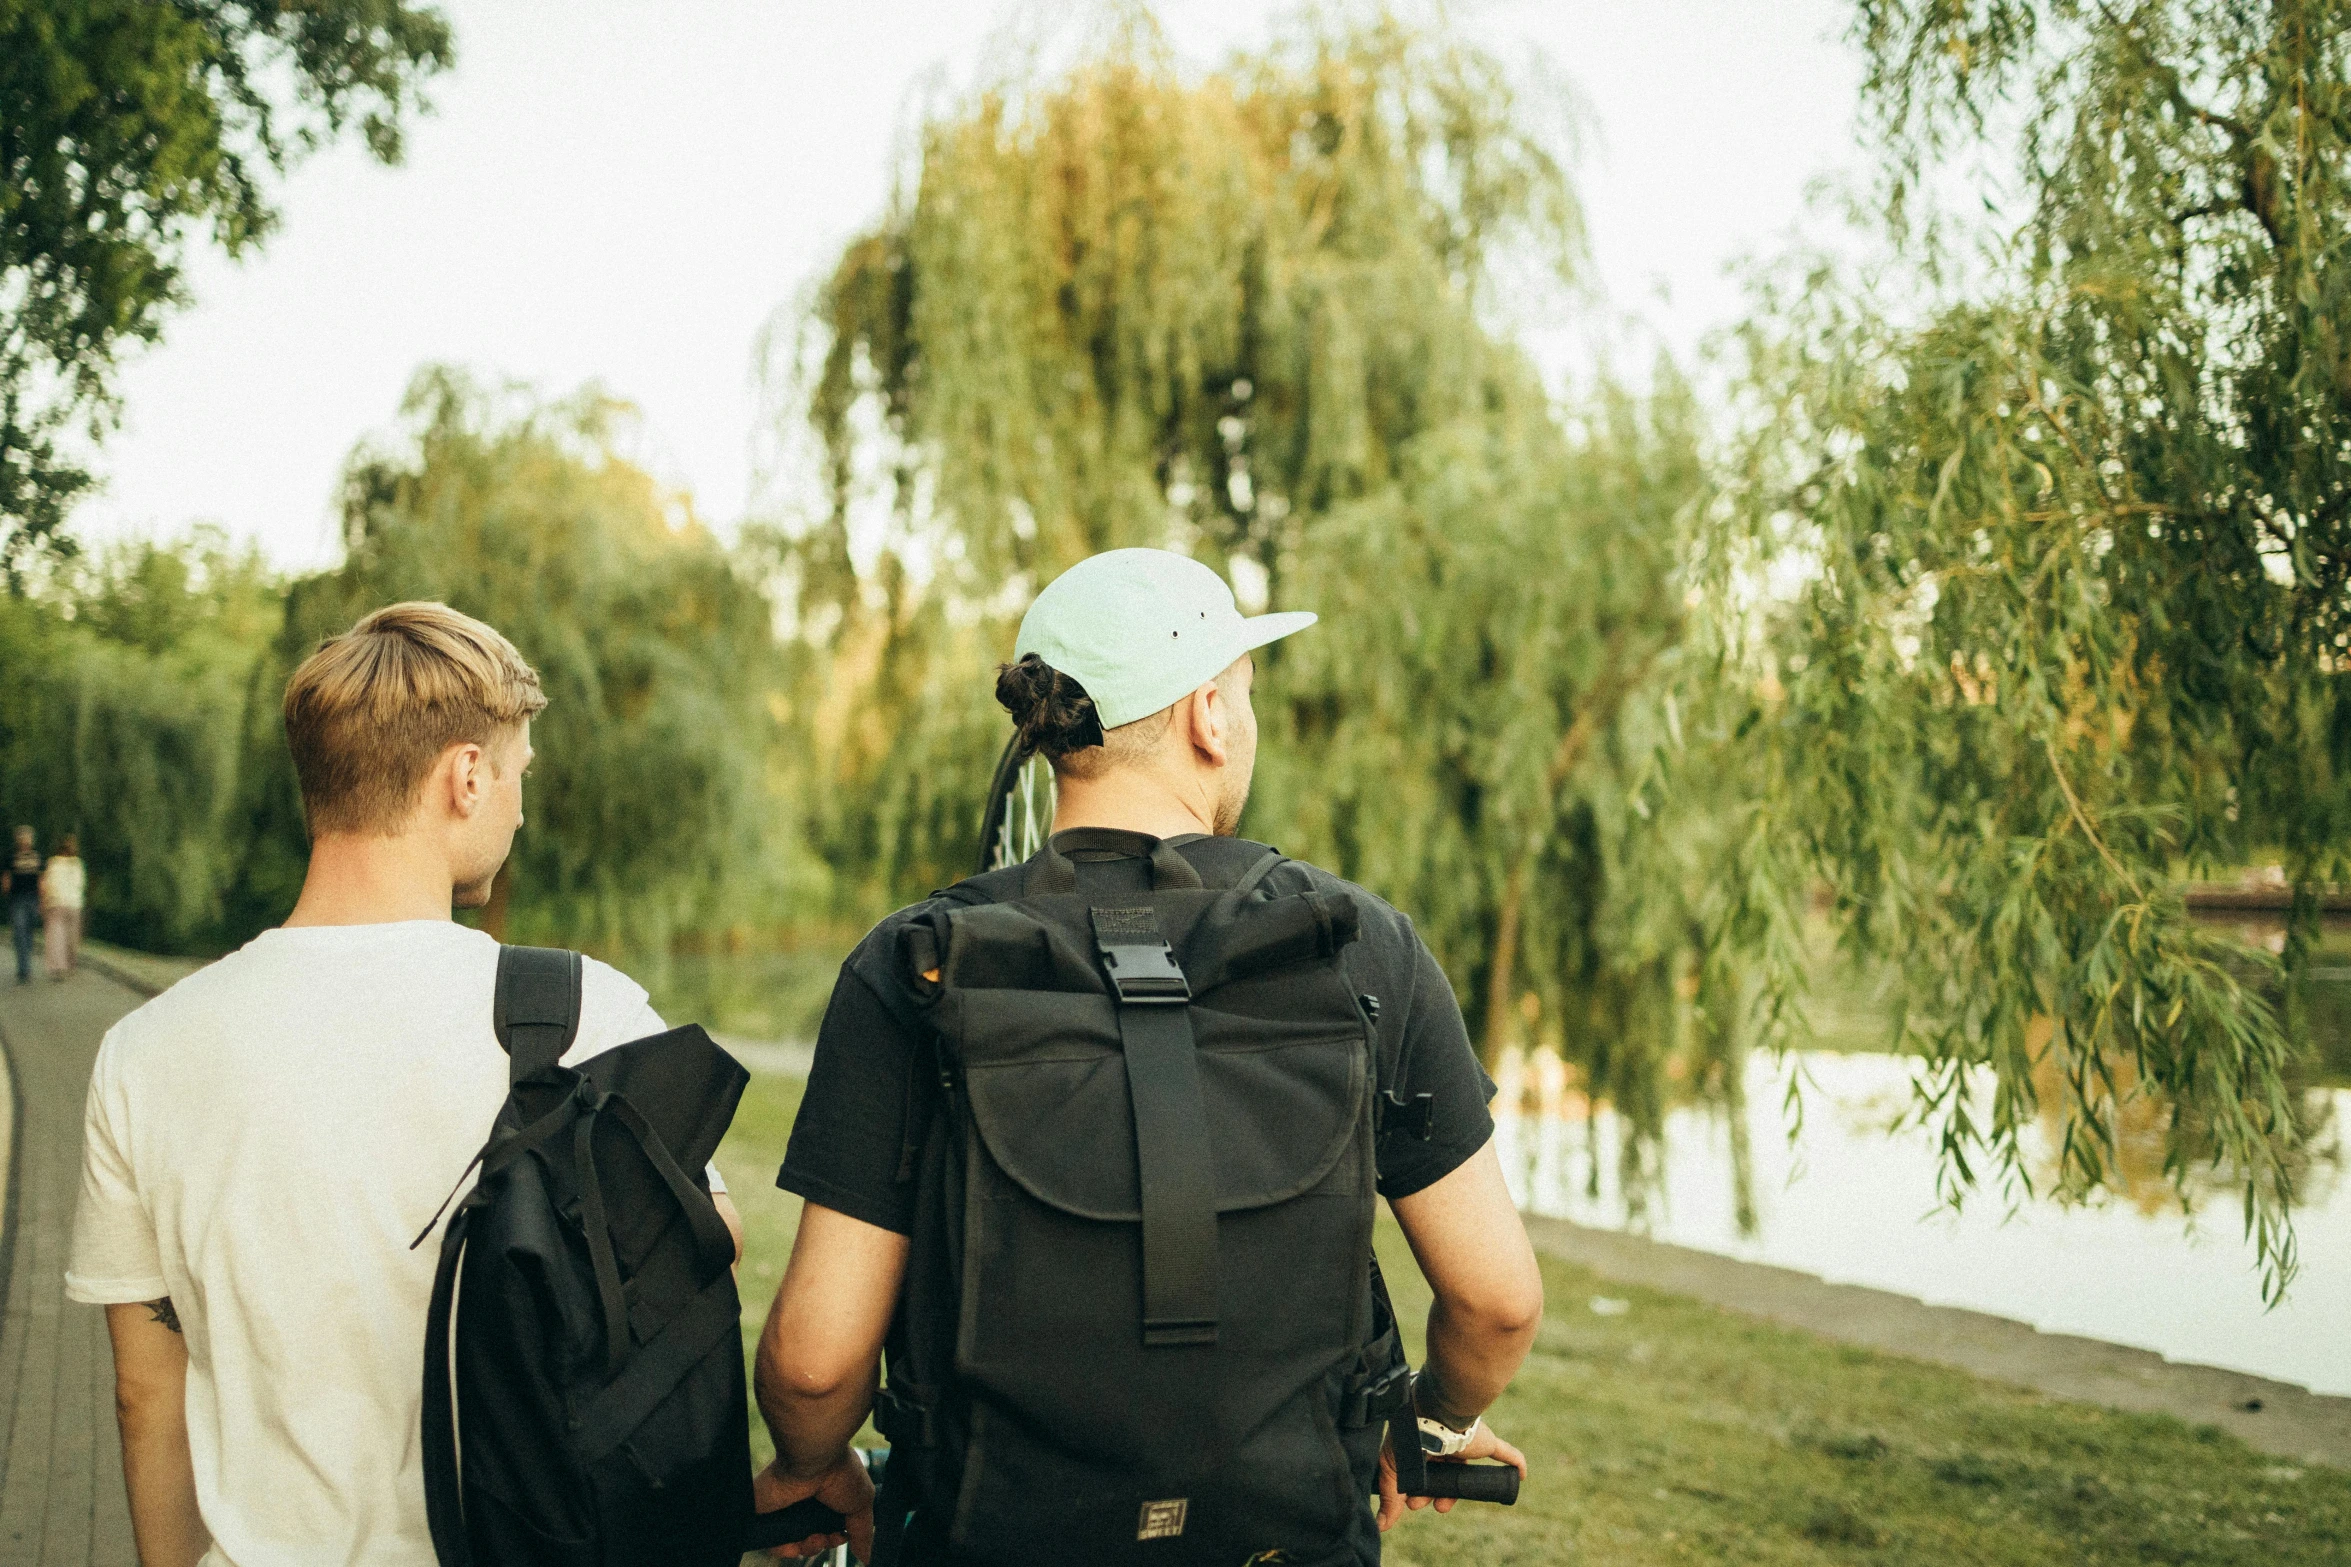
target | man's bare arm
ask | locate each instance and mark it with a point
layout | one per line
(1472, 1248)
(819, 1362)
(151, 1405)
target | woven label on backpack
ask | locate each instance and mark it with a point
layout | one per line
(1163, 1520)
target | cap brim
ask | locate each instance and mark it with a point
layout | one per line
(1258, 630)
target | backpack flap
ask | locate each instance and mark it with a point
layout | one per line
(1055, 1113)
(672, 1098)
(685, 1086)
(1035, 1028)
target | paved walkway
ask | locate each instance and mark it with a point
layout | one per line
(2271, 1417)
(61, 1491)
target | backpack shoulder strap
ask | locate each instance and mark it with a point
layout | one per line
(537, 1010)
(1257, 872)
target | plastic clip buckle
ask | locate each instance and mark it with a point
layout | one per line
(1415, 1117)
(1380, 1397)
(1142, 966)
(903, 1420)
(1147, 975)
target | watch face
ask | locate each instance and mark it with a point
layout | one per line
(1432, 1443)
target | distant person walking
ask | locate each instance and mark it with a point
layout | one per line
(22, 882)
(63, 883)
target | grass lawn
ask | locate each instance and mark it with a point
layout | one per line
(1677, 1433)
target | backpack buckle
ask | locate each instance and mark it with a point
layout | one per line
(1142, 966)
(1415, 1117)
(903, 1420)
(1379, 1397)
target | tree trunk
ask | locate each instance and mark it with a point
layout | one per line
(1501, 977)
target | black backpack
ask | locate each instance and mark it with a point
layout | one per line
(583, 1370)
(1141, 1321)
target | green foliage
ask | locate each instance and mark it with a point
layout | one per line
(2077, 545)
(645, 812)
(142, 704)
(1245, 314)
(123, 719)
(126, 126)
(1485, 728)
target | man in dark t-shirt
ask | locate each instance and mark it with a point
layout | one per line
(1133, 677)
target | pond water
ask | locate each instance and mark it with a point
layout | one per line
(1852, 1199)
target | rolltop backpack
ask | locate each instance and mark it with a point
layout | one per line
(583, 1372)
(1141, 1322)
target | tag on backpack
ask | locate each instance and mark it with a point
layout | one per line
(1163, 1520)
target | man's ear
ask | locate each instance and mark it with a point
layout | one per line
(1210, 724)
(465, 770)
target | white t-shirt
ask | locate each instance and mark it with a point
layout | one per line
(62, 883)
(264, 1140)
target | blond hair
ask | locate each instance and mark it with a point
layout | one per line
(372, 710)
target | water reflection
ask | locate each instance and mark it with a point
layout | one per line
(1852, 1199)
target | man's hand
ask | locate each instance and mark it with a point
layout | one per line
(845, 1488)
(1483, 1445)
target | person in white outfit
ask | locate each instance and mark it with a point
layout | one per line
(63, 883)
(266, 1138)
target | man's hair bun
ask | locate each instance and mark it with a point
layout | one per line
(1051, 712)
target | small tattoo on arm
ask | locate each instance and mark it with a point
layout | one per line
(165, 1313)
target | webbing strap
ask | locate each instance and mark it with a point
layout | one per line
(711, 1237)
(601, 1258)
(1258, 872)
(444, 1498)
(537, 1009)
(613, 1414)
(1051, 870)
(1177, 1181)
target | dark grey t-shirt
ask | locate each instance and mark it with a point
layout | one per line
(845, 1147)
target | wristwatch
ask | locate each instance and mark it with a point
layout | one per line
(1440, 1440)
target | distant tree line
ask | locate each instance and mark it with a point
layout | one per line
(140, 706)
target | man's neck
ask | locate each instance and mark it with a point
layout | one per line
(355, 880)
(1132, 801)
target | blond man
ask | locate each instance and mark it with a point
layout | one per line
(266, 1138)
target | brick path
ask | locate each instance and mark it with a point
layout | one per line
(61, 1492)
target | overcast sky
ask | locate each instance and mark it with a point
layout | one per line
(626, 190)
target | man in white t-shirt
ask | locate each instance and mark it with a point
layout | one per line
(266, 1138)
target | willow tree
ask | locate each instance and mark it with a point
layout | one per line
(1255, 314)
(646, 813)
(2078, 535)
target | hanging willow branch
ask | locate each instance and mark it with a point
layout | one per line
(2073, 544)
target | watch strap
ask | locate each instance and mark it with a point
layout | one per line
(1440, 1440)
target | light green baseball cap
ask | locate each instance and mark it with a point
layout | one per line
(1142, 629)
